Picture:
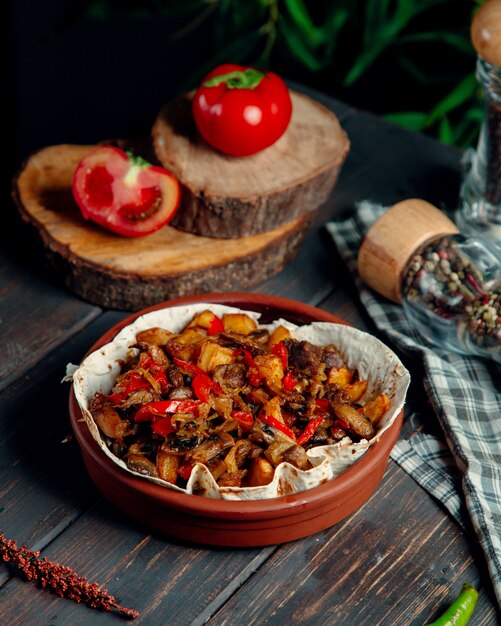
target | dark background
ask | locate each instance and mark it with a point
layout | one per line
(85, 71)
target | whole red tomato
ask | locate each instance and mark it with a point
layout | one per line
(241, 110)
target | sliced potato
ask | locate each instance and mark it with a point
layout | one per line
(156, 336)
(356, 390)
(167, 465)
(186, 345)
(212, 354)
(375, 409)
(270, 368)
(261, 472)
(279, 334)
(339, 376)
(202, 320)
(238, 323)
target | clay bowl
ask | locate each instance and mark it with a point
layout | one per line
(229, 523)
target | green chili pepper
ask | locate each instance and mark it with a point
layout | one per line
(460, 611)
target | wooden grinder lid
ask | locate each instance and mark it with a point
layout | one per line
(393, 239)
(486, 31)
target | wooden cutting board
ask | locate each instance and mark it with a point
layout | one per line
(224, 196)
(129, 274)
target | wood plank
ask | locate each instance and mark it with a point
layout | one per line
(44, 486)
(36, 313)
(387, 163)
(398, 560)
(169, 583)
(307, 278)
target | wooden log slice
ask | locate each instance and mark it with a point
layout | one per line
(129, 274)
(224, 196)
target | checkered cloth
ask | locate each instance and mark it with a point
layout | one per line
(465, 394)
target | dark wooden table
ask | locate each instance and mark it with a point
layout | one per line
(397, 560)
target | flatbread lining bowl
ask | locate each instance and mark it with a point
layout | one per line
(374, 361)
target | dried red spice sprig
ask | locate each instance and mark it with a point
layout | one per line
(59, 579)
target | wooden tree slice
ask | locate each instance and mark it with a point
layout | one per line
(129, 274)
(228, 197)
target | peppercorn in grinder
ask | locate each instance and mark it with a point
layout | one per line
(480, 205)
(449, 284)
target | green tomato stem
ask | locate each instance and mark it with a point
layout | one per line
(460, 611)
(246, 79)
(137, 160)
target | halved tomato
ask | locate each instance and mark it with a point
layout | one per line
(124, 193)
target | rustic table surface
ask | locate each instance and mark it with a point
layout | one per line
(400, 559)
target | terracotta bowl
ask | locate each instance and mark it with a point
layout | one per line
(229, 523)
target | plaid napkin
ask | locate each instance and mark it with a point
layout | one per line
(465, 393)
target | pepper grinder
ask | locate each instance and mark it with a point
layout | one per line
(480, 205)
(449, 284)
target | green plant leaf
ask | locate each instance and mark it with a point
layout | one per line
(332, 29)
(445, 132)
(362, 63)
(461, 93)
(302, 19)
(459, 42)
(298, 48)
(376, 14)
(419, 76)
(414, 120)
(383, 26)
(475, 114)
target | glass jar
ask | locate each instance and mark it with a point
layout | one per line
(449, 284)
(480, 210)
(480, 207)
(451, 290)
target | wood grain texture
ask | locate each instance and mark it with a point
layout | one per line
(36, 315)
(223, 196)
(169, 583)
(121, 273)
(43, 483)
(366, 569)
(387, 163)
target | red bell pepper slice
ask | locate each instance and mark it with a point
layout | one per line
(162, 426)
(280, 350)
(133, 382)
(338, 425)
(273, 421)
(216, 326)
(243, 418)
(189, 367)
(185, 471)
(322, 404)
(289, 381)
(154, 409)
(159, 375)
(310, 430)
(253, 375)
(203, 386)
(157, 371)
